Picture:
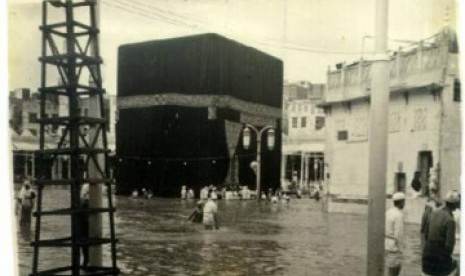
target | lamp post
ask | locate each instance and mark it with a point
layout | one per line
(270, 143)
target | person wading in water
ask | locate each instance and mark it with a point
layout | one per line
(210, 218)
(197, 214)
(26, 201)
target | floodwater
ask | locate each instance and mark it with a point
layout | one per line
(255, 238)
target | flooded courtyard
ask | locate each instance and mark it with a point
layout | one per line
(255, 238)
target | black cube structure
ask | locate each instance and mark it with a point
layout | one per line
(183, 104)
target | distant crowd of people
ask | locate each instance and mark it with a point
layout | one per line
(244, 193)
(231, 192)
(145, 193)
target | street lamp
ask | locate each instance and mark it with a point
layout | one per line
(270, 139)
(270, 142)
(246, 138)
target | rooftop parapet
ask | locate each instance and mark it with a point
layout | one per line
(419, 64)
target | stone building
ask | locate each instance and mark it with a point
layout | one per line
(24, 112)
(424, 135)
(303, 142)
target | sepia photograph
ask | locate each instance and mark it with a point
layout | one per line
(232, 137)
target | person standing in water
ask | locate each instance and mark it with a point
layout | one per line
(210, 216)
(84, 223)
(394, 240)
(26, 201)
(440, 234)
(197, 215)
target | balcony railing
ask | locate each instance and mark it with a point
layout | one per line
(424, 59)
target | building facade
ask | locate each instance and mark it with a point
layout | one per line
(303, 142)
(424, 135)
(24, 112)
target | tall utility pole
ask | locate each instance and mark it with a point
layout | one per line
(378, 144)
(88, 156)
(95, 191)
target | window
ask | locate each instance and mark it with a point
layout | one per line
(340, 126)
(313, 109)
(457, 91)
(328, 110)
(358, 127)
(294, 122)
(319, 122)
(33, 117)
(342, 135)
(348, 107)
(303, 122)
(419, 119)
(394, 122)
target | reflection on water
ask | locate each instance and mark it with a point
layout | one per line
(254, 239)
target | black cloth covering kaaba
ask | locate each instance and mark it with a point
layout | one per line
(183, 103)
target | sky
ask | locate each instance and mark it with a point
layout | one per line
(308, 35)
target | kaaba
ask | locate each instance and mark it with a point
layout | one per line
(183, 104)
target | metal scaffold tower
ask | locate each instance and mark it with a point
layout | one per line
(86, 152)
